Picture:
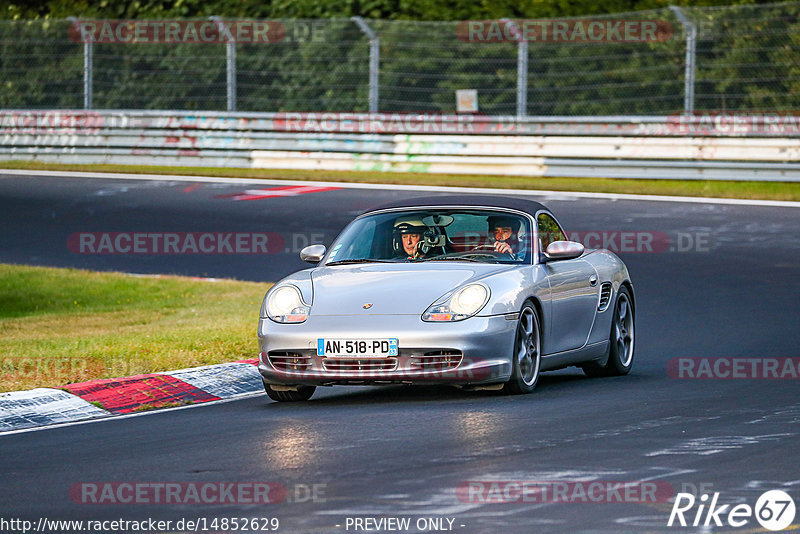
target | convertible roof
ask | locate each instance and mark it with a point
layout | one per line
(483, 201)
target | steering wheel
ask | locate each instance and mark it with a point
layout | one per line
(490, 248)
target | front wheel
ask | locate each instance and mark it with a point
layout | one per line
(620, 350)
(303, 393)
(527, 357)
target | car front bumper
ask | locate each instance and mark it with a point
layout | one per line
(474, 351)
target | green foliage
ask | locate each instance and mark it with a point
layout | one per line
(747, 59)
(39, 66)
(376, 9)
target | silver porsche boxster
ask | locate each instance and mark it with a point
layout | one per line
(479, 292)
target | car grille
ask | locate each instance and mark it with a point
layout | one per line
(605, 296)
(359, 364)
(289, 361)
(439, 360)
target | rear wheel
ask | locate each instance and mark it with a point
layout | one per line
(620, 350)
(303, 393)
(527, 353)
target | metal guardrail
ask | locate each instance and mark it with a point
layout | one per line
(615, 147)
(717, 124)
(610, 147)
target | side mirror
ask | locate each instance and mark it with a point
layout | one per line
(313, 253)
(563, 250)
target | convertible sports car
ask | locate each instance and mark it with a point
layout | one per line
(480, 292)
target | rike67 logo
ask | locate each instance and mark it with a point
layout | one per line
(774, 510)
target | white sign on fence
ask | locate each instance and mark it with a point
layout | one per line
(467, 100)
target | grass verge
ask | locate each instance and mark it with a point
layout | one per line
(697, 188)
(59, 326)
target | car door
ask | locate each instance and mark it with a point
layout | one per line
(573, 292)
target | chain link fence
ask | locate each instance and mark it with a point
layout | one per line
(744, 58)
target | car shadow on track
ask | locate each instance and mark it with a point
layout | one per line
(569, 382)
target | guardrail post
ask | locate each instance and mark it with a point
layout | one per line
(374, 61)
(88, 61)
(691, 43)
(230, 62)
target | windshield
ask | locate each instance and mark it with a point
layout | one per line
(471, 235)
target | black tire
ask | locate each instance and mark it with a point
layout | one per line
(527, 355)
(620, 342)
(303, 393)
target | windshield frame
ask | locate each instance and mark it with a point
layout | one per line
(531, 256)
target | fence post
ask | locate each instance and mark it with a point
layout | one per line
(230, 62)
(374, 61)
(88, 61)
(522, 78)
(691, 40)
(522, 67)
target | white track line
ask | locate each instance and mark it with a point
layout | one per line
(396, 187)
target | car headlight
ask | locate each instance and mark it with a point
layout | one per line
(462, 304)
(285, 305)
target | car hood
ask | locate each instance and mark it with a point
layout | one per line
(389, 288)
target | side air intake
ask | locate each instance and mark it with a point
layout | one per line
(605, 296)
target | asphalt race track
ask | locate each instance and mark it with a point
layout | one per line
(725, 283)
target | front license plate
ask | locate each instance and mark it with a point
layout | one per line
(377, 348)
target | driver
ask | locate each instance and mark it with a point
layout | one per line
(503, 234)
(407, 238)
